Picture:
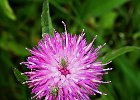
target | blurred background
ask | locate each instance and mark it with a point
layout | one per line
(116, 22)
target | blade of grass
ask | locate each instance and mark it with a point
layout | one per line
(114, 54)
(124, 65)
(7, 10)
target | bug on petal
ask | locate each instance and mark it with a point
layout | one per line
(54, 91)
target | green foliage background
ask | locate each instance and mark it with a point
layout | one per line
(116, 22)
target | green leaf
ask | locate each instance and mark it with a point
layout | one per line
(109, 96)
(107, 20)
(99, 7)
(114, 54)
(46, 19)
(20, 77)
(12, 45)
(6, 9)
(136, 35)
(18, 49)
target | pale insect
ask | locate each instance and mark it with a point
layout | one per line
(54, 91)
(63, 63)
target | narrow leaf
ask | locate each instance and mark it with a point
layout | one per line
(6, 9)
(128, 71)
(20, 77)
(114, 54)
(46, 19)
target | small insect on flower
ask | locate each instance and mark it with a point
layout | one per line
(63, 63)
(54, 91)
(64, 67)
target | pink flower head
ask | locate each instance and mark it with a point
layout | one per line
(64, 67)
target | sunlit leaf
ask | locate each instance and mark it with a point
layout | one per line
(6, 9)
(107, 20)
(136, 35)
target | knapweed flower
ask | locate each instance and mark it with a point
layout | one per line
(64, 67)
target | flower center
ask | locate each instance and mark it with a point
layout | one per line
(64, 71)
(63, 67)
